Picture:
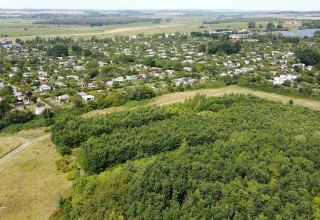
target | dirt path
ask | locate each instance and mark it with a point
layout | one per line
(10, 156)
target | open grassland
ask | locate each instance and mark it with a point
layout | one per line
(7, 144)
(182, 96)
(31, 185)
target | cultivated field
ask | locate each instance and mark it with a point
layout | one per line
(26, 29)
(30, 185)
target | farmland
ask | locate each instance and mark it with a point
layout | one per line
(12, 28)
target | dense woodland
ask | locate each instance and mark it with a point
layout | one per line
(232, 157)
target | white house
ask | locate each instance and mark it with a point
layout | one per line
(85, 97)
(279, 80)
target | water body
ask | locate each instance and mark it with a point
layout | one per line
(298, 33)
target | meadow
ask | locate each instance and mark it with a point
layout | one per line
(30, 183)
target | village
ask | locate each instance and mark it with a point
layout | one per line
(91, 69)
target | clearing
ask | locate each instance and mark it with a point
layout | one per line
(31, 185)
(182, 96)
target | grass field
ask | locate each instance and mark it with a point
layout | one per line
(182, 96)
(9, 143)
(31, 185)
(25, 29)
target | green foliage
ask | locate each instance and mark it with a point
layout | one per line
(251, 24)
(239, 157)
(310, 24)
(139, 93)
(224, 45)
(309, 56)
(71, 132)
(270, 26)
(58, 50)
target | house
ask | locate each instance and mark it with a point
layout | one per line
(63, 98)
(15, 69)
(26, 75)
(79, 68)
(235, 38)
(39, 110)
(42, 73)
(309, 68)
(170, 72)
(188, 69)
(85, 97)
(76, 78)
(92, 84)
(19, 97)
(279, 80)
(120, 79)
(60, 85)
(9, 44)
(43, 80)
(44, 88)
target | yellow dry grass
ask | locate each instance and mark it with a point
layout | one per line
(31, 185)
(104, 111)
(181, 96)
(7, 144)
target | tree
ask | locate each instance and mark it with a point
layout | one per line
(280, 26)
(309, 56)
(287, 83)
(5, 107)
(251, 25)
(58, 50)
(140, 93)
(270, 26)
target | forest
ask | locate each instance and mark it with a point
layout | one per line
(230, 157)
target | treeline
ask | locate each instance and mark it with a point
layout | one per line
(310, 24)
(257, 160)
(98, 21)
(309, 56)
(70, 133)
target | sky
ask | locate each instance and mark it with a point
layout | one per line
(300, 5)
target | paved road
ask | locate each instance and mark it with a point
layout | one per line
(13, 154)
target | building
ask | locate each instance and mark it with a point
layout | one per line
(85, 97)
(44, 88)
(63, 98)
